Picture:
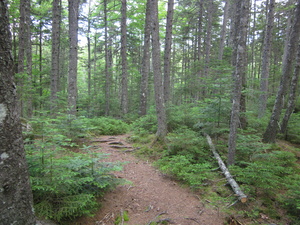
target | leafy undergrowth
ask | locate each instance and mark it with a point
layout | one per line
(268, 174)
(65, 184)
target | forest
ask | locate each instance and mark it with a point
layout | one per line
(193, 83)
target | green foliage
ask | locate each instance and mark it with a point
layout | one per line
(66, 128)
(267, 173)
(293, 131)
(122, 217)
(291, 199)
(183, 169)
(65, 184)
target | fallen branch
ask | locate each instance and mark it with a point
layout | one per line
(235, 187)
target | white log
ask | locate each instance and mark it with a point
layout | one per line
(235, 187)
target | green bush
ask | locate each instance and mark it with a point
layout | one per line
(183, 169)
(65, 184)
(268, 173)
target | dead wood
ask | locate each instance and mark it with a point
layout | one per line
(235, 187)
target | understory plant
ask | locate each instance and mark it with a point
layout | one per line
(65, 184)
(65, 180)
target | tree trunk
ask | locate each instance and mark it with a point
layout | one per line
(73, 55)
(241, 25)
(56, 10)
(145, 63)
(287, 65)
(292, 96)
(16, 203)
(266, 60)
(107, 72)
(158, 86)
(124, 95)
(167, 55)
(235, 187)
(224, 28)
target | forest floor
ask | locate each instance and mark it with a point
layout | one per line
(149, 196)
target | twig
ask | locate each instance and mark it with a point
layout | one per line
(192, 219)
(156, 217)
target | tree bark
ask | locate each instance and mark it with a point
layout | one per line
(124, 97)
(145, 62)
(107, 63)
(56, 11)
(73, 55)
(235, 187)
(287, 65)
(167, 55)
(16, 205)
(241, 25)
(266, 60)
(224, 28)
(158, 85)
(292, 96)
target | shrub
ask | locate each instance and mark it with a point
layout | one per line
(65, 184)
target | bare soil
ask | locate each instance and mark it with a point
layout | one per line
(150, 196)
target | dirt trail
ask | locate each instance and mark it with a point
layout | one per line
(151, 197)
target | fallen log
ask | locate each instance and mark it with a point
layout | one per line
(235, 187)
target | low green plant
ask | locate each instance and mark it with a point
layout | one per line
(123, 217)
(65, 184)
(194, 174)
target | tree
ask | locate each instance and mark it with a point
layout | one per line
(73, 54)
(167, 55)
(24, 56)
(241, 25)
(224, 28)
(287, 64)
(292, 95)
(124, 97)
(145, 62)
(56, 11)
(158, 85)
(266, 60)
(16, 203)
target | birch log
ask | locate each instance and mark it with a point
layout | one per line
(235, 187)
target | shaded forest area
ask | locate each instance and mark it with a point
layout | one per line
(168, 72)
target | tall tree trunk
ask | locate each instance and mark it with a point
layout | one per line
(124, 95)
(292, 95)
(56, 11)
(158, 85)
(73, 55)
(223, 30)
(210, 12)
(287, 65)
(24, 42)
(241, 25)
(89, 66)
(145, 62)
(266, 60)
(168, 46)
(107, 72)
(29, 61)
(16, 203)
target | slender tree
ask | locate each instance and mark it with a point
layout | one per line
(145, 62)
(266, 60)
(241, 25)
(224, 29)
(292, 95)
(158, 85)
(167, 55)
(287, 65)
(124, 97)
(56, 12)
(16, 203)
(73, 54)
